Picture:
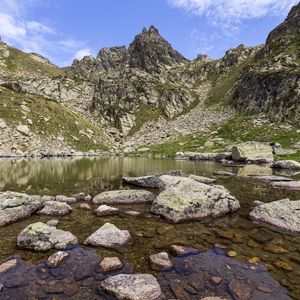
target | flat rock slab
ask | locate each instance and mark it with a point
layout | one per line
(271, 178)
(124, 197)
(17, 206)
(203, 179)
(187, 199)
(284, 214)
(132, 287)
(105, 210)
(286, 164)
(150, 181)
(293, 185)
(56, 208)
(108, 236)
(42, 237)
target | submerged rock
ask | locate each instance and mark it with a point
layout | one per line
(55, 208)
(187, 199)
(253, 152)
(177, 250)
(160, 261)
(202, 179)
(284, 214)
(286, 164)
(109, 264)
(271, 178)
(224, 174)
(108, 236)
(7, 266)
(56, 258)
(105, 210)
(132, 287)
(41, 237)
(293, 185)
(17, 206)
(124, 197)
(150, 181)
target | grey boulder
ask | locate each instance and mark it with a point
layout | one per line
(42, 237)
(284, 214)
(187, 199)
(55, 208)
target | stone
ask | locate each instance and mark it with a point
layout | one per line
(55, 208)
(224, 173)
(53, 223)
(253, 151)
(109, 264)
(284, 265)
(292, 185)
(23, 129)
(133, 213)
(108, 236)
(187, 199)
(231, 253)
(29, 122)
(124, 197)
(105, 210)
(286, 164)
(41, 237)
(62, 198)
(240, 290)
(2, 124)
(85, 206)
(160, 261)
(9, 265)
(132, 287)
(55, 259)
(17, 206)
(202, 179)
(150, 181)
(272, 248)
(177, 250)
(88, 198)
(284, 214)
(271, 178)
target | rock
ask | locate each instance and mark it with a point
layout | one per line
(88, 198)
(286, 164)
(66, 199)
(160, 261)
(195, 156)
(231, 253)
(53, 223)
(55, 208)
(1, 286)
(151, 181)
(133, 213)
(55, 259)
(293, 185)
(108, 236)
(132, 287)
(109, 264)
(187, 199)
(253, 151)
(85, 206)
(124, 197)
(41, 237)
(105, 210)
(7, 266)
(16, 206)
(202, 179)
(284, 214)
(223, 173)
(2, 124)
(29, 122)
(240, 290)
(271, 178)
(23, 129)
(47, 198)
(272, 248)
(284, 265)
(181, 250)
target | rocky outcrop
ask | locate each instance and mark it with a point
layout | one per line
(284, 214)
(132, 287)
(17, 206)
(187, 199)
(124, 197)
(108, 236)
(41, 237)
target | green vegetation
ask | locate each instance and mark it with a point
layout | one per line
(50, 120)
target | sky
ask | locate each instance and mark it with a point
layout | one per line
(63, 30)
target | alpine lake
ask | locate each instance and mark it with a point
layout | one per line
(237, 258)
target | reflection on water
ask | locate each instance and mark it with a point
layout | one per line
(152, 234)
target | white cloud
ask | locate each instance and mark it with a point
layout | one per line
(39, 27)
(9, 27)
(82, 53)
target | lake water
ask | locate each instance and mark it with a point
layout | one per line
(274, 276)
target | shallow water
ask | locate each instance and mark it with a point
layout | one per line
(152, 234)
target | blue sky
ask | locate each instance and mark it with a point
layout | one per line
(66, 29)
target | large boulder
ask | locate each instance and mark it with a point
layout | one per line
(284, 214)
(41, 237)
(55, 208)
(124, 197)
(187, 199)
(108, 236)
(132, 287)
(286, 164)
(17, 206)
(150, 181)
(253, 151)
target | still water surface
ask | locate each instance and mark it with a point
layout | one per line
(151, 234)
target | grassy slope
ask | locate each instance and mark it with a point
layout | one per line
(61, 121)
